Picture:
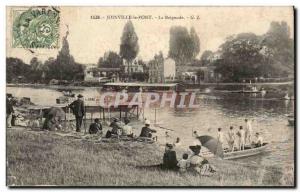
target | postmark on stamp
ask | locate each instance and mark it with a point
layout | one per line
(36, 27)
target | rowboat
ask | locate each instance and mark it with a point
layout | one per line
(245, 153)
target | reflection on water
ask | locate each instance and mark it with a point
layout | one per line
(215, 110)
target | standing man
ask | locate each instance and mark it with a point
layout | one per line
(231, 138)
(248, 131)
(77, 107)
(9, 110)
(220, 136)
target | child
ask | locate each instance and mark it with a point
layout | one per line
(183, 163)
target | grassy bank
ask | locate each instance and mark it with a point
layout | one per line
(41, 158)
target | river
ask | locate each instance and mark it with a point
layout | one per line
(215, 110)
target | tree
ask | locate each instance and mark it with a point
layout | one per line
(183, 46)
(112, 60)
(16, 68)
(129, 47)
(36, 70)
(241, 57)
(280, 48)
(195, 42)
(206, 57)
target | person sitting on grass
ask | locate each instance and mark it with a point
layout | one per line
(127, 129)
(146, 130)
(169, 159)
(198, 164)
(95, 127)
(183, 164)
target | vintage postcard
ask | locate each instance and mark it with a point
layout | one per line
(150, 96)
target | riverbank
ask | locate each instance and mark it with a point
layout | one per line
(44, 158)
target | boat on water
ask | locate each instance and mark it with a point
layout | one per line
(228, 155)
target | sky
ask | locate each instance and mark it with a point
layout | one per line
(90, 38)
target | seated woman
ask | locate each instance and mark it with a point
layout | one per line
(169, 159)
(198, 164)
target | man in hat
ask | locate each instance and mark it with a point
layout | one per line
(78, 109)
(9, 109)
(169, 159)
(146, 131)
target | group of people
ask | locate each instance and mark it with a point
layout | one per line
(194, 163)
(239, 139)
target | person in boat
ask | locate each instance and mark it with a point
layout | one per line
(169, 158)
(198, 164)
(241, 138)
(183, 164)
(231, 138)
(220, 136)
(78, 109)
(248, 131)
(258, 140)
(146, 130)
(95, 127)
(127, 129)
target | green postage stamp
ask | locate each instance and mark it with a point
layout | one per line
(35, 27)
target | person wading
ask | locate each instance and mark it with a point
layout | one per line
(77, 107)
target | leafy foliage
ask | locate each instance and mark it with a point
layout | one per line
(184, 46)
(129, 47)
(247, 55)
(110, 60)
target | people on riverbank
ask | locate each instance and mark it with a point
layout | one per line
(127, 129)
(146, 130)
(183, 163)
(169, 158)
(78, 109)
(95, 127)
(9, 109)
(198, 164)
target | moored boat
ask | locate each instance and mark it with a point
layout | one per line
(245, 153)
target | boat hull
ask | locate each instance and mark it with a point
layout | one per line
(244, 153)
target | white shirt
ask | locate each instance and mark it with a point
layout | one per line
(259, 139)
(249, 127)
(220, 136)
(183, 164)
(127, 130)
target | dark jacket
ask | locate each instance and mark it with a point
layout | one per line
(9, 106)
(146, 132)
(94, 128)
(170, 160)
(77, 107)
